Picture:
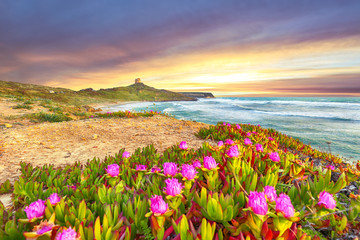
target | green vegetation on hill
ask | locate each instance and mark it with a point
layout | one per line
(135, 92)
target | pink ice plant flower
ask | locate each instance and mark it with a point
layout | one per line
(259, 147)
(140, 167)
(209, 162)
(270, 193)
(220, 143)
(224, 123)
(158, 205)
(113, 170)
(229, 142)
(257, 202)
(327, 200)
(35, 209)
(126, 154)
(183, 145)
(274, 156)
(170, 168)
(197, 164)
(331, 167)
(248, 134)
(173, 187)
(67, 234)
(54, 198)
(238, 126)
(284, 205)
(188, 171)
(233, 151)
(247, 141)
(44, 229)
(270, 138)
(155, 169)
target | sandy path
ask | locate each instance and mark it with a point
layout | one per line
(67, 142)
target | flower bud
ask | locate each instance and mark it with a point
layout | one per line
(158, 205)
(209, 162)
(113, 170)
(233, 151)
(170, 168)
(188, 171)
(257, 202)
(173, 187)
(284, 205)
(35, 209)
(327, 200)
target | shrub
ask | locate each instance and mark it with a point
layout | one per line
(50, 117)
(22, 106)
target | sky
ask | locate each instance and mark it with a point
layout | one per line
(229, 48)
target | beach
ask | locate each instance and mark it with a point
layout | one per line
(65, 143)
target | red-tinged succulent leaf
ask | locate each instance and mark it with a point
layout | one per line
(154, 223)
(225, 188)
(264, 229)
(234, 223)
(269, 235)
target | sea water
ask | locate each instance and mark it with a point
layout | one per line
(328, 124)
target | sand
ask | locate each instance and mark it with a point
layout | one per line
(67, 142)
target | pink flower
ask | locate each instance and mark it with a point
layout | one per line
(183, 145)
(197, 164)
(220, 143)
(113, 170)
(247, 141)
(248, 134)
(274, 156)
(238, 126)
(224, 123)
(270, 138)
(126, 154)
(284, 205)
(229, 125)
(170, 168)
(140, 167)
(173, 187)
(259, 147)
(270, 193)
(67, 234)
(54, 198)
(35, 209)
(229, 142)
(158, 205)
(188, 171)
(327, 200)
(209, 162)
(155, 169)
(257, 202)
(233, 151)
(331, 167)
(44, 229)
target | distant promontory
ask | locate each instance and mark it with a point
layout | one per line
(198, 94)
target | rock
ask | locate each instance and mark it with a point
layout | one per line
(95, 136)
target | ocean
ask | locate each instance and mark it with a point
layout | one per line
(328, 124)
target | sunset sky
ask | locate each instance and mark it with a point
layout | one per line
(248, 47)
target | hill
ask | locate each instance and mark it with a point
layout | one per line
(134, 92)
